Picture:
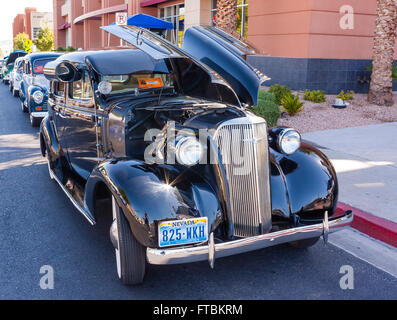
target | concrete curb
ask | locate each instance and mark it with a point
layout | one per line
(376, 227)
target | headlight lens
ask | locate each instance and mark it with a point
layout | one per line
(189, 151)
(289, 141)
(38, 97)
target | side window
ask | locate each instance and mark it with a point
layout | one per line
(82, 89)
(27, 67)
(59, 89)
(21, 66)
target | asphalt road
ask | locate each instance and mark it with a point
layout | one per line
(39, 226)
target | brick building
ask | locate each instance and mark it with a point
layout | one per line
(307, 44)
(31, 21)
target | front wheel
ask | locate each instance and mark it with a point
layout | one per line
(15, 93)
(10, 87)
(23, 108)
(35, 122)
(130, 254)
(303, 244)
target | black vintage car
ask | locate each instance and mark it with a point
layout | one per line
(163, 136)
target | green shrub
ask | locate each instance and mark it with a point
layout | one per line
(292, 104)
(316, 96)
(267, 108)
(279, 92)
(266, 95)
(71, 49)
(60, 49)
(348, 95)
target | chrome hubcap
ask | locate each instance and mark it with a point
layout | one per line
(114, 237)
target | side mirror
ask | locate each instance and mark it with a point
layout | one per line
(66, 72)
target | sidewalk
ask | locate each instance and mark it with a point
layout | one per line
(365, 159)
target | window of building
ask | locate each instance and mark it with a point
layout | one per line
(176, 15)
(35, 33)
(242, 16)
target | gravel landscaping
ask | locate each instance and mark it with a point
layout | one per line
(322, 116)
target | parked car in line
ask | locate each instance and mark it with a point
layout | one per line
(2, 63)
(16, 76)
(34, 86)
(168, 145)
(9, 64)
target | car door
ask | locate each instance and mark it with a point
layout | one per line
(19, 75)
(78, 119)
(56, 106)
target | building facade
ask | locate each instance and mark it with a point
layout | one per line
(40, 20)
(31, 21)
(304, 44)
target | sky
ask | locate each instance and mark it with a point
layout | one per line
(10, 8)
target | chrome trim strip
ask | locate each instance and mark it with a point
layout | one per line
(202, 253)
(248, 180)
(74, 202)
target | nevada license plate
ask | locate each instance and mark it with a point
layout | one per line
(180, 232)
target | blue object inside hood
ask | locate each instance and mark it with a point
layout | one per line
(144, 21)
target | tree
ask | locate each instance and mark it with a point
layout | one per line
(20, 40)
(226, 16)
(45, 39)
(381, 88)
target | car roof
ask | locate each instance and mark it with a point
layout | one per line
(112, 62)
(41, 55)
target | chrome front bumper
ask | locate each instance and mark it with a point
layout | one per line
(41, 114)
(211, 251)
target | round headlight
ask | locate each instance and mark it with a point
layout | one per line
(189, 151)
(38, 97)
(289, 141)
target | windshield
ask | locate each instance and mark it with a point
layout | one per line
(41, 81)
(38, 65)
(138, 82)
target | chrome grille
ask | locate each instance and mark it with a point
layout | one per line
(244, 149)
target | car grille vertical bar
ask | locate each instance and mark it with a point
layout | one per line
(244, 149)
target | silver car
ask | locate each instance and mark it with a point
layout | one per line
(16, 76)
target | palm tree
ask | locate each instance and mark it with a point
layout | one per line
(226, 16)
(381, 88)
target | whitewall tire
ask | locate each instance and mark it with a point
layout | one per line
(130, 254)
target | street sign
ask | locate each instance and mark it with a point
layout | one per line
(121, 18)
(28, 44)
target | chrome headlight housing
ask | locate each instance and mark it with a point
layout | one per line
(189, 150)
(289, 141)
(38, 97)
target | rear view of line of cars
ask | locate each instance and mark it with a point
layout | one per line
(26, 80)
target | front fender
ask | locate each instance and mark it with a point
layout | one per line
(146, 198)
(49, 141)
(31, 104)
(303, 184)
(22, 91)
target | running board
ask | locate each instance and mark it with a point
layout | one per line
(73, 200)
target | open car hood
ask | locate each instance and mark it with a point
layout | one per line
(226, 55)
(211, 48)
